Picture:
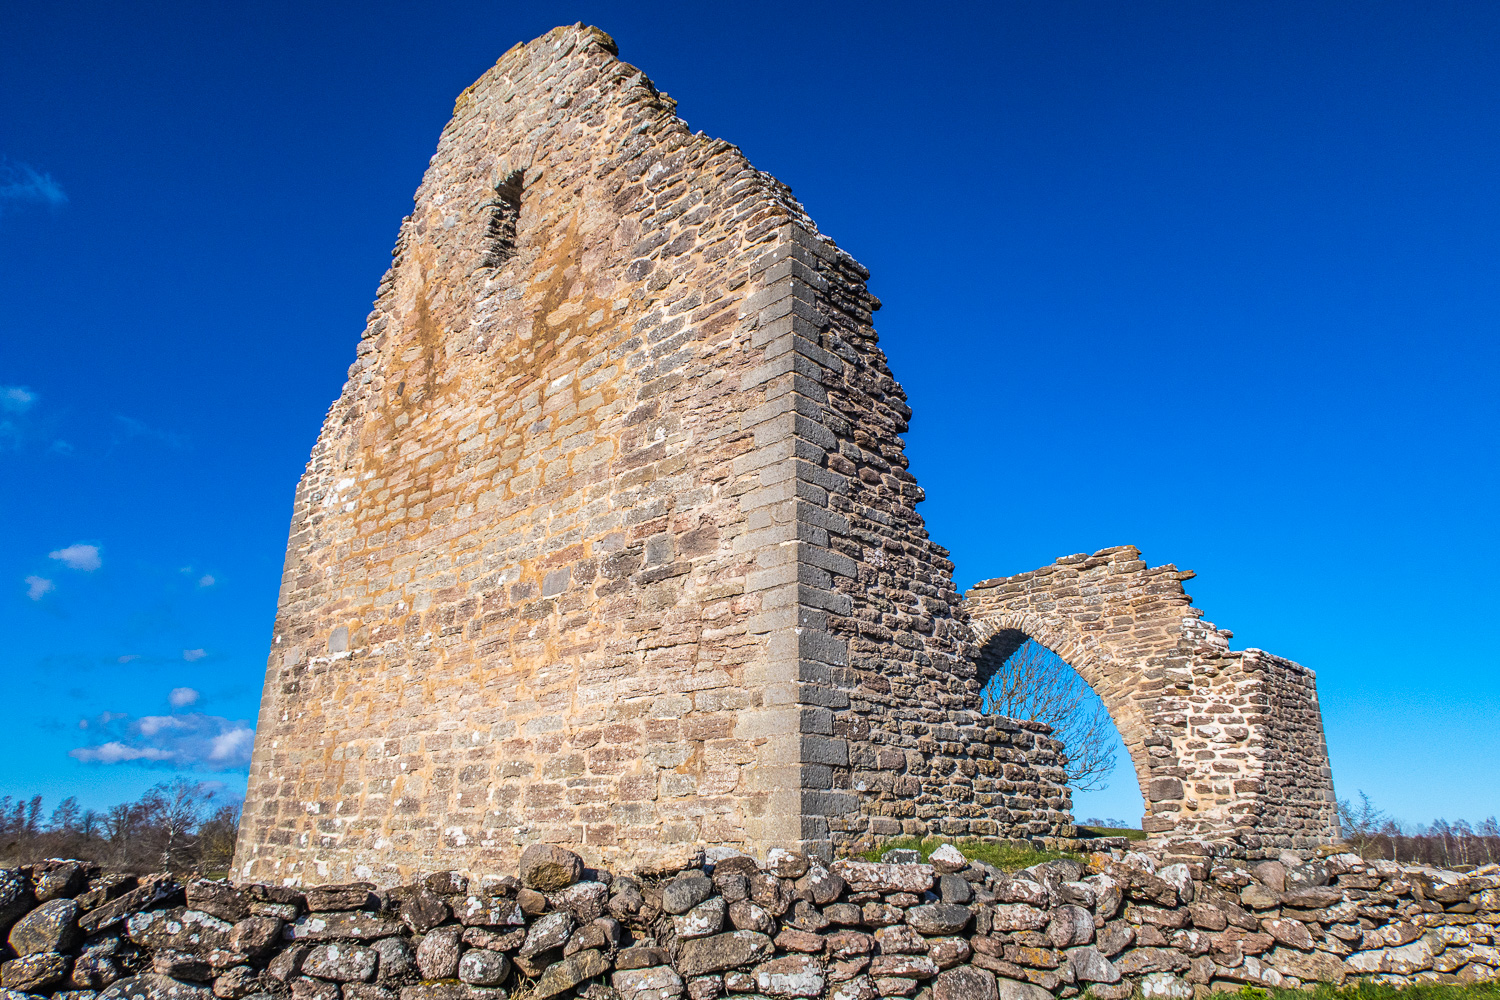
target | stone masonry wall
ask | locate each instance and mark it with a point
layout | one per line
(609, 540)
(1225, 743)
(1176, 921)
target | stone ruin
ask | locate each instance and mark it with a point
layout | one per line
(609, 541)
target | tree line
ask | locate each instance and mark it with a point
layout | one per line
(175, 826)
(1373, 833)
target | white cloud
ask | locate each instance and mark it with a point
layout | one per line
(16, 398)
(129, 658)
(114, 752)
(38, 587)
(193, 655)
(21, 183)
(182, 697)
(79, 556)
(206, 581)
(187, 740)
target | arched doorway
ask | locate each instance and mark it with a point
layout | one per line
(1021, 678)
(1226, 744)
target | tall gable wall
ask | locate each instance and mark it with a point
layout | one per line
(609, 540)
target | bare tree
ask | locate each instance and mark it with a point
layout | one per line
(1361, 823)
(1031, 682)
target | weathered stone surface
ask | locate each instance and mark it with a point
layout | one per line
(548, 868)
(903, 966)
(182, 966)
(483, 967)
(1139, 961)
(1165, 986)
(237, 983)
(341, 963)
(53, 926)
(939, 918)
(438, 953)
(397, 958)
(1011, 989)
(1310, 967)
(569, 973)
(217, 899)
(356, 924)
(1018, 917)
(65, 881)
(154, 987)
(349, 896)
(255, 935)
(34, 973)
(820, 886)
(965, 983)
(151, 890)
(548, 932)
(702, 920)
(1070, 925)
(867, 876)
(685, 892)
(423, 910)
(792, 976)
(700, 956)
(1089, 966)
(180, 929)
(307, 988)
(15, 896)
(654, 983)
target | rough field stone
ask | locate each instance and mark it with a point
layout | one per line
(948, 952)
(1021, 890)
(341, 963)
(180, 929)
(657, 983)
(1165, 986)
(792, 976)
(938, 918)
(1011, 989)
(965, 983)
(437, 991)
(868, 876)
(1017, 917)
(255, 935)
(702, 920)
(218, 899)
(370, 991)
(356, 924)
(448, 883)
(154, 987)
(899, 939)
(954, 889)
(50, 927)
(1289, 932)
(63, 882)
(34, 973)
(548, 868)
(551, 931)
(948, 859)
(181, 965)
(15, 896)
(699, 956)
(685, 892)
(792, 939)
(904, 966)
(306, 988)
(1070, 925)
(568, 973)
(1089, 966)
(820, 886)
(437, 955)
(396, 958)
(349, 896)
(237, 983)
(1314, 967)
(488, 911)
(1258, 897)
(482, 967)
(1143, 960)
(640, 957)
(93, 971)
(786, 864)
(1312, 897)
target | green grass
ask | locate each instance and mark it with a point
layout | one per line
(1114, 831)
(1002, 856)
(1376, 991)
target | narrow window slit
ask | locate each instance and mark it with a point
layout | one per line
(505, 210)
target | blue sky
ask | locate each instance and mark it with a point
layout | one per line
(1218, 280)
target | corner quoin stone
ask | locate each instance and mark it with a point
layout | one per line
(609, 540)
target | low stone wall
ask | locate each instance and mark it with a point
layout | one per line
(1176, 922)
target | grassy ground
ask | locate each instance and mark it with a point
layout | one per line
(1005, 858)
(1375, 991)
(1112, 831)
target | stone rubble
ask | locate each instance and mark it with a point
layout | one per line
(1172, 920)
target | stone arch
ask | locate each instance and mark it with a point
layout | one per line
(1226, 744)
(1092, 661)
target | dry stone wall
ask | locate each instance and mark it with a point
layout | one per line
(1178, 920)
(609, 540)
(1226, 744)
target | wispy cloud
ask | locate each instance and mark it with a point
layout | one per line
(206, 581)
(194, 655)
(38, 587)
(23, 184)
(133, 428)
(182, 697)
(190, 739)
(79, 556)
(16, 402)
